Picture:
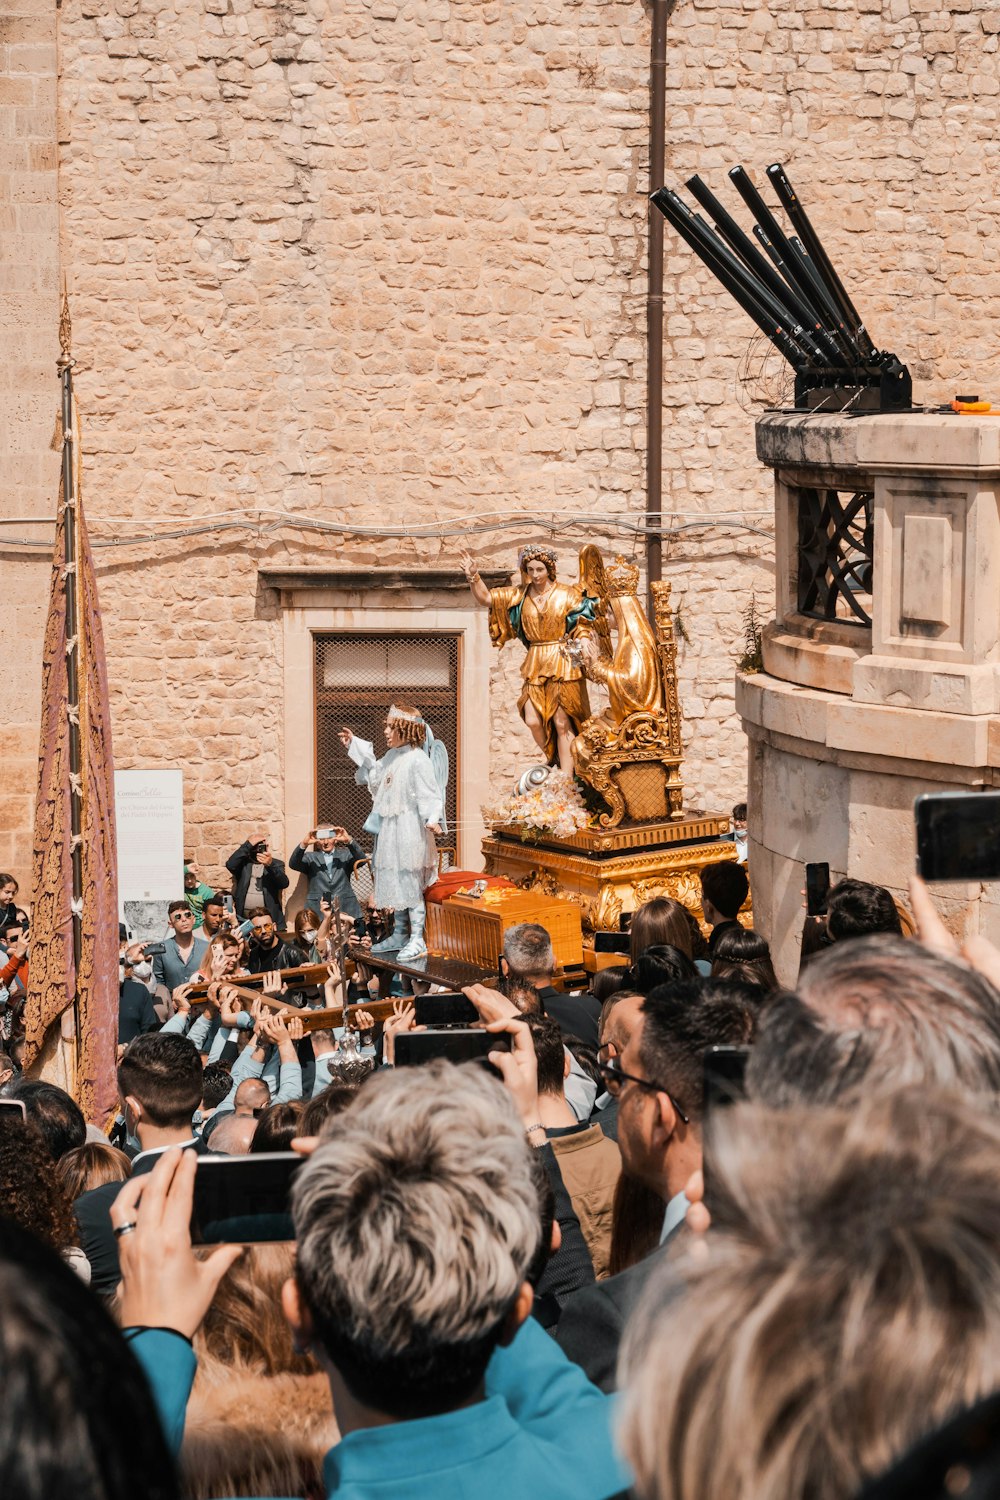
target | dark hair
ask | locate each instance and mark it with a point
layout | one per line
(740, 812)
(30, 1192)
(278, 1127)
(164, 1072)
(742, 954)
(326, 1105)
(9, 880)
(679, 1022)
(57, 1118)
(258, 911)
(181, 905)
(659, 923)
(726, 886)
(212, 900)
(216, 1082)
(549, 1054)
(6, 1063)
(522, 994)
(658, 965)
(607, 982)
(79, 1419)
(856, 909)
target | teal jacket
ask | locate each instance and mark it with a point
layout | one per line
(543, 1430)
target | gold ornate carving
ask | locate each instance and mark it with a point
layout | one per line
(605, 910)
(631, 754)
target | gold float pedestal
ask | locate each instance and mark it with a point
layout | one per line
(612, 871)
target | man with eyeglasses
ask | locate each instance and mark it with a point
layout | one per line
(657, 1080)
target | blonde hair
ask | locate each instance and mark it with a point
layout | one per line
(91, 1166)
(846, 1302)
(416, 1221)
(410, 731)
(259, 1420)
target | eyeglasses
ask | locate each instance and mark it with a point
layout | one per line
(616, 1078)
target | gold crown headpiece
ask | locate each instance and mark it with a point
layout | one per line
(536, 554)
(622, 577)
(398, 713)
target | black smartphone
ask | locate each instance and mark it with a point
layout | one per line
(817, 889)
(723, 1083)
(152, 949)
(457, 1044)
(958, 835)
(612, 942)
(724, 1071)
(444, 1010)
(13, 1112)
(244, 1199)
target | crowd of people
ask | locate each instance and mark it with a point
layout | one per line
(582, 1269)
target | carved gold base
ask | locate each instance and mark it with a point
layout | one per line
(615, 870)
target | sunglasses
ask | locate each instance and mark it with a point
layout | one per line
(616, 1078)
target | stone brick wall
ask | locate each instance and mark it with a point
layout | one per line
(382, 263)
(29, 395)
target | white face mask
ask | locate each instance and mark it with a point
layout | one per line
(142, 970)
(741, 836)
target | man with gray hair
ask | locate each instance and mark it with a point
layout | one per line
(528, 955)
(877, 1013)
(418, 1229)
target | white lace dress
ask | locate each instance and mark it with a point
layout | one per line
(405, 798)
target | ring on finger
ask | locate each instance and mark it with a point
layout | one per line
(128, 1228)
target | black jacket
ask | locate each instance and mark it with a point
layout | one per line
(281, 956)
(593, 1320)
(577, 1015)
(272, 882)
(135, 1011)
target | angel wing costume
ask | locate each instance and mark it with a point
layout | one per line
(407, 793)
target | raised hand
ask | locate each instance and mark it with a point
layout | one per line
(402, 1019)
(180, 997)
(163, 1284)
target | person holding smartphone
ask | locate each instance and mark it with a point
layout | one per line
(326, 857)
(259, 878)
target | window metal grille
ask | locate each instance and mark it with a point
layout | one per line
(835, 554)
(358, 677)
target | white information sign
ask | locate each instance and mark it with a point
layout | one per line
(149, 809)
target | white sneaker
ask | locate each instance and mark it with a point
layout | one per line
(414, 949)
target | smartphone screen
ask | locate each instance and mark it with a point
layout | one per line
(817, 889)
(612, 942)
(243, 1199)
(12, 1112)
(444, 1010)
(958, 835)
(457, 1044)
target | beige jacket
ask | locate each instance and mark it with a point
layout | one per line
(590, 1164)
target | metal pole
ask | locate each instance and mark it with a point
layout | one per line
(654, 304)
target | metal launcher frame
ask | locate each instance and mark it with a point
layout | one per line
(791, 290)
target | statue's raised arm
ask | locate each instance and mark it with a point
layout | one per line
(543, 614)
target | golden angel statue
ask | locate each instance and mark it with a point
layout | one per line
(554, 621)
